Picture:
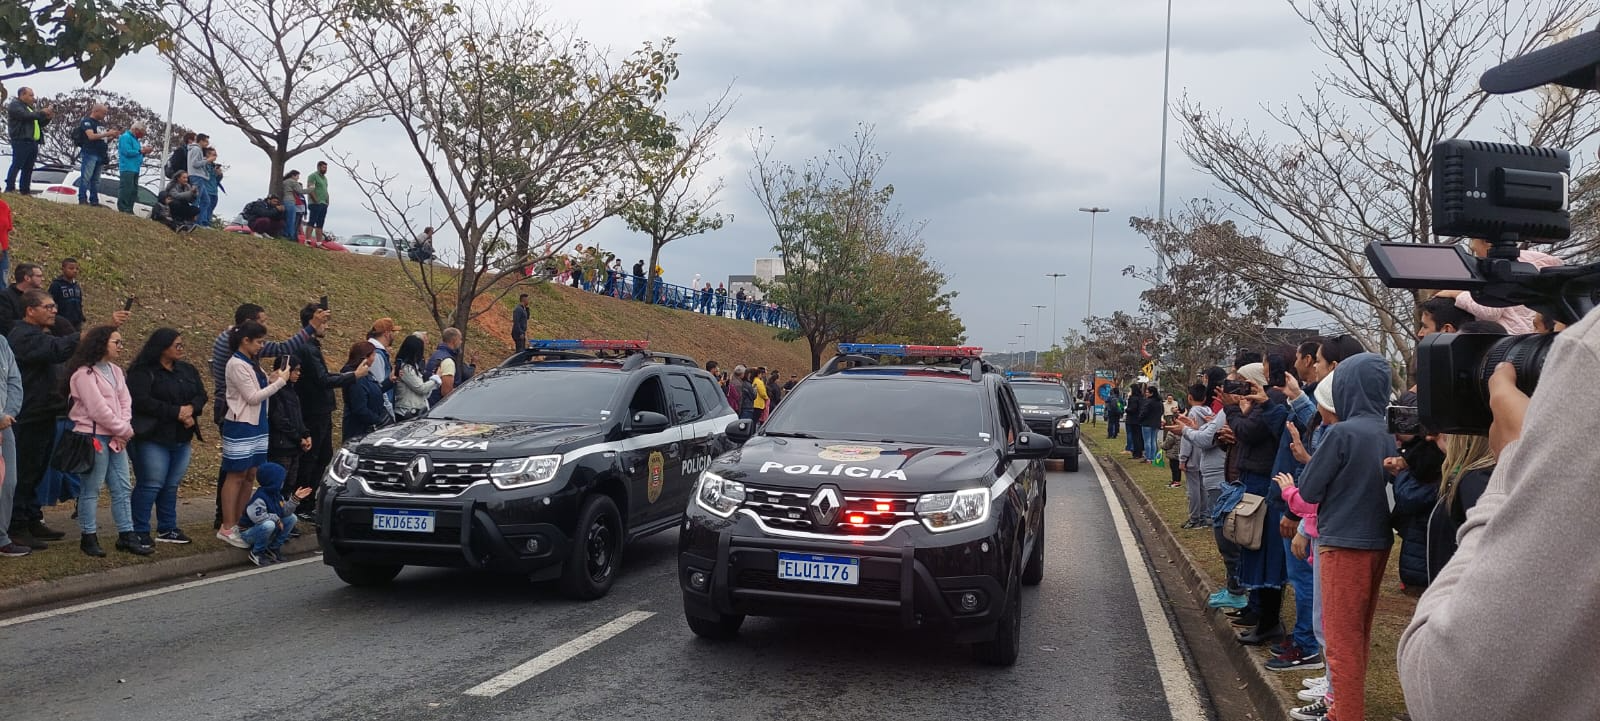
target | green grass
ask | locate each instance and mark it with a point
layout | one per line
(63, 559)
(1384, 697)
(193, 282)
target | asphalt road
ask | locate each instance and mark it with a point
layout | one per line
(293, 642)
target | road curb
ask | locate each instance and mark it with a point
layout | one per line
(1262, 689)
(74, 588)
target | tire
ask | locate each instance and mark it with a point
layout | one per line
(367, 575)
(1071, 463)
(721, 628)
(596, 553)
(1033, 573)
(1007, 643)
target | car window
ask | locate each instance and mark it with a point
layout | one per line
(552, 395)
(109, 186)
(1010, 415)
(648, 398)
(1040, 394)
(932, 412)
(367, 241)
(49, 177)
(712, 399)
(685, 407)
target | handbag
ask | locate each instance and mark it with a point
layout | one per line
(1245, 522)
(74, 453)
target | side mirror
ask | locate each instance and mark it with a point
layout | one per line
(647, 422)
(740, 431)
(1030, 446)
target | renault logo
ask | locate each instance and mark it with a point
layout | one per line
(418, 472)
(825, 507)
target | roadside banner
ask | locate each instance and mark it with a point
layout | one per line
(1104, 381)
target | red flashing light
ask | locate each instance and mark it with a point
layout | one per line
(948, 351)
(858, 518)
(615, 344)
(884, 507)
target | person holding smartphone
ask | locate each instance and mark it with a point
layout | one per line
(244, 426)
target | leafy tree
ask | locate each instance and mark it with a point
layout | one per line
(40, 36)
(522, 136)
(277, 71)
(665, 169)
(1208, 310)
(1122, 343)
(122, 113)
(854, 267)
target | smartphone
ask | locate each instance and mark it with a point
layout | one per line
(323, 303)
(1237, 388)
(1403, 421)
(128, 304)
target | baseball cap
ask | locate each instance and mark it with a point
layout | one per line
(385, 325)
(1572, 62)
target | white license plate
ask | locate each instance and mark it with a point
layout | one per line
(401, 519)
(842, 570)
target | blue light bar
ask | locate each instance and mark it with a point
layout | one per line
(911, 351)
(586, 344)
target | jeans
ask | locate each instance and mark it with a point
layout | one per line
(207, 202)
(1194, 489)
(1151, 446)
(111, 469)
(1305, 636)
(8, 484)
(20, 175)
(158, 469)
(1316, 603)
(5, 264)
(127, 190)
(290, 221)
(1112, 424)
(270, 534)
(89, 178)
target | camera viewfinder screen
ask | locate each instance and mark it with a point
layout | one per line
(1428, 262)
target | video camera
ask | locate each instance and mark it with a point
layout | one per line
(1507, 195)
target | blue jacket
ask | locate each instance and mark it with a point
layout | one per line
(363, 407)
(1345, 477)
(130, 154)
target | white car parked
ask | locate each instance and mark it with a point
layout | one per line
(375, 245)
(61, 186)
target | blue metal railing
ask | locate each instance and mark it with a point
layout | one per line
(694, 300)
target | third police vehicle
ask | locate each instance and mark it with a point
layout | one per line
(545, 466)
(906, 493)
(1049, 410)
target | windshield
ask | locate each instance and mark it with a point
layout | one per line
(532, 395)
(937, 413)
(1039, 394)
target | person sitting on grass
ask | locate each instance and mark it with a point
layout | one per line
(268, 519)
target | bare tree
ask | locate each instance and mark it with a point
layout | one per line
(520, 134)
(1358, 154)
(121, 113)
(674, 202)
(275, 69)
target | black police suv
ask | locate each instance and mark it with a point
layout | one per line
(1050, 411)
(546, 466)
(908, 495)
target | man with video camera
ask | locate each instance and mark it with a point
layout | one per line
(1507, 629)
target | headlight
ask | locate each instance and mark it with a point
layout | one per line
(717, 494)
(523, 472)
(342, 467)
(950, 511)
(1065, 423)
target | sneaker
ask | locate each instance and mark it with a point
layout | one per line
(172, 537)
(1295, 660)
(1314, 693)
(1223, 599)
(14, 550)
(261, 559)
(277, 556)
(230, 536)
(1317, 711)
(1315, 682)
(1282, 649)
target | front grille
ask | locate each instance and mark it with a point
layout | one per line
(449, 478)
(790, 510)
(1046, 426)
(759, 580)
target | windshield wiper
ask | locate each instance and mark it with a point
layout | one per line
(790, 434)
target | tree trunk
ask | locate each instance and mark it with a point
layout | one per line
(817, 347)
(524, 236)
(650, 273)
(275, 181)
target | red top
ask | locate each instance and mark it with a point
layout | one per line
(5, 226)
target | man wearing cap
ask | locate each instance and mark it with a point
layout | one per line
(1471, 652)
(381, 337)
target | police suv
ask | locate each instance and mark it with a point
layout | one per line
(1049, 411)
(547, 466)
(905, 494)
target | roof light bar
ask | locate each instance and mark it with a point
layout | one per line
(586, 344)
(1033, 374)
(911, 351)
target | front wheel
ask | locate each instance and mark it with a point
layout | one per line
(1033, 573)
(596, 552)
(1007, 643)
(1071, 463)
(365, 575)
(720, 628)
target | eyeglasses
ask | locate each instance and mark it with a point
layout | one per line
(48, 306)
(118, 343)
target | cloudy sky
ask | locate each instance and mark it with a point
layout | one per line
(999, 119)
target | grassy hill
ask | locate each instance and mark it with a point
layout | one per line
(193, 282)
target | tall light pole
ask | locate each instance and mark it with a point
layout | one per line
(1055, 312)
(1088, 305)
(1166, 84)
(1038, 329)
(1024, 338)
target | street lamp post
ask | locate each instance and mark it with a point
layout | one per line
(1037, 328)
(1024, 338)
(1055, 330)
(1088, 305)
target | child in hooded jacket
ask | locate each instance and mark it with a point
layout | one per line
(269, 518)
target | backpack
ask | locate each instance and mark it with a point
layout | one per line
(80, 137)
(179, 160)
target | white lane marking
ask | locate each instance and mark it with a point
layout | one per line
(556, 656)
(1182, 698)
(102, 603)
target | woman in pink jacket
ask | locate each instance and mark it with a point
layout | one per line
(102, 408)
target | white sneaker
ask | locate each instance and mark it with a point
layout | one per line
(1315, 693)
(1315, 681)
(230, 536)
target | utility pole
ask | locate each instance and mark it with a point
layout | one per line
(1037, 327)
(1166, 85)
(1055, 311)
(1088, 305)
